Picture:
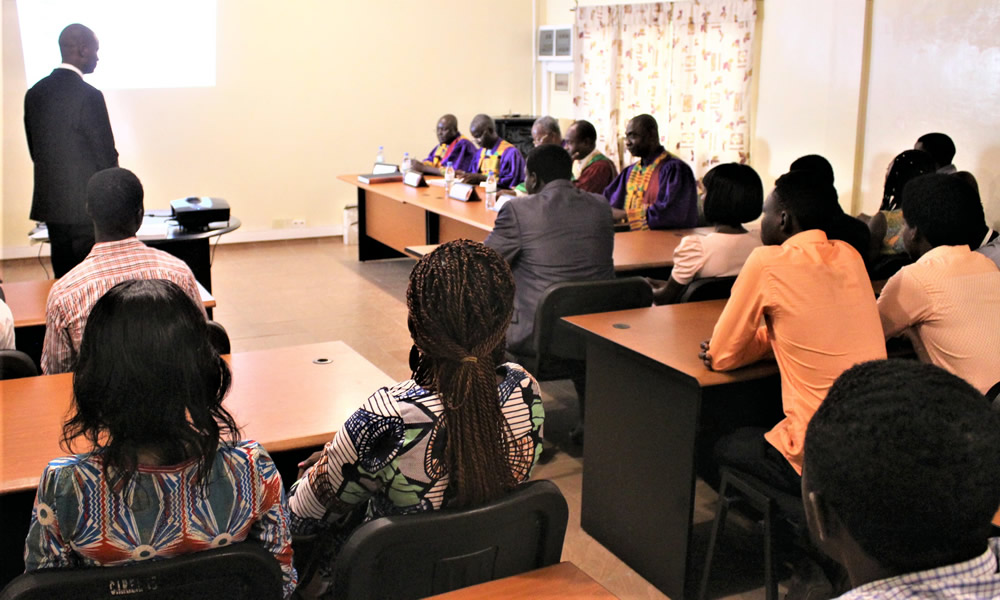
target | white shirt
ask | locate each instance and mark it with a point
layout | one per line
(6, 327)
(712, 255)
(71, 68)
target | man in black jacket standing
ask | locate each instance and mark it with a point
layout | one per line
(70, 139)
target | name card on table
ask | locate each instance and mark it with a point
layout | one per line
(414, 179)
(466, 192)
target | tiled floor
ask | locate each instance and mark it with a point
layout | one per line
(297, 292)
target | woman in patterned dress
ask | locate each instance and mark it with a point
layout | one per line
(463, 430)
(162, 479)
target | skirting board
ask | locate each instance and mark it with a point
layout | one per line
(236, 237)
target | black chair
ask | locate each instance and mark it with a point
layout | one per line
(15, 364)
(559, 350)
(774, 508)
(219, 338)
(993, 395)
(414, 556)
(239, 571)
(708, 288)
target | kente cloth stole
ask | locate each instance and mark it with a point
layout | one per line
(444, 151)
(492, 162)
(640, 181)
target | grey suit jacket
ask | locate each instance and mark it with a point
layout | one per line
(69, 138)
(560, 234)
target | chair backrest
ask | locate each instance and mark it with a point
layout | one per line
(245, 570)
(708, 288)
(414, 556)
(219, 338)
(15, 364)
(993, 395)
(556, 338)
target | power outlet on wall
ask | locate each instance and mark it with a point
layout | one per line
(298, 222)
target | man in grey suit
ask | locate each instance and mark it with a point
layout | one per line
(69, 138)
(557, 233)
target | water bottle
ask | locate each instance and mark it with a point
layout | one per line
(449, 176)
(406, 161)
(491, 190)
(380, 157)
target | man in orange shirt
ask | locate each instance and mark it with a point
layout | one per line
(819, 318)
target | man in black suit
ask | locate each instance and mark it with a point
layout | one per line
(70, 139)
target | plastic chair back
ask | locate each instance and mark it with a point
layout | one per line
(414, 556)
(993, 395)
(239, 571)
(15, 364)
(709, 288)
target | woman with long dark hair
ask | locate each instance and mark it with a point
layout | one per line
(165, 475)
(464, 430)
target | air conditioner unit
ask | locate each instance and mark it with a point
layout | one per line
(555, 42)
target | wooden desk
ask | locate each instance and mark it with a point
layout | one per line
(27, 299)
(644, 391)
(279, 398)
(651, 249)
(392, 216)
(558, 582)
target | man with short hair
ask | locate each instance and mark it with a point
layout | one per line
(900, 483)
(948, 301)
(114, 202)
(808, 301)
(495, 154)
(592, 170)
(557, 233)
(837, 224)
(659, 191)
(545, 130)
(941, 148)
(69, 139)
(453, 147)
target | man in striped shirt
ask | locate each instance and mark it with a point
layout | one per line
(114, 203)
(900, 483)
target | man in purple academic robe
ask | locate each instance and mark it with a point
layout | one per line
(659, 191)
(495, 154)
(453, 147)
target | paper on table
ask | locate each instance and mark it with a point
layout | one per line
(156, 229)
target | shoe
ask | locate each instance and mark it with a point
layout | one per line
(549, 451)
(809, 582)
(576, 435)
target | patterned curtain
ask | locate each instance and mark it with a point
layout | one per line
(686, 63)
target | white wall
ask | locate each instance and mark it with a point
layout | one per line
(306, 90)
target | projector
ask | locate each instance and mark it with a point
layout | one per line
(196, 213)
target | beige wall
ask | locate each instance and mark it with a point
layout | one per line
(931, 66)
(306, 90)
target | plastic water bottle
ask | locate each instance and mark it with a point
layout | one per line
(449, 176)
(380, 157)
(406, 161)
(491, 190)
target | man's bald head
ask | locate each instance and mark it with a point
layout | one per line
(642, 136)
(78, 46)
(546, 130)
(484, 130)
(447, 129)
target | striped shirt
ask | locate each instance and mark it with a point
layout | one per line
(948, 304)
(973, 579)
(76, 292)
(388, 459)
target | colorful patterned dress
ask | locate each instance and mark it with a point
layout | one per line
(78, 521)
(387, 459)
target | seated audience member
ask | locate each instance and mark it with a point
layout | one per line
(559, 233)
(900, 483)
(6, 327)
(165, 476)
(819, 318)
(545, 130)
(495, 154)
(948, 301)
(992, 250)
(990, 234)
(837, 225)
(659, 191)
(886, 225)
(114, 203)
(592, 171)
(478, 418)
(734, 195)
(939, 146)
(453, 147)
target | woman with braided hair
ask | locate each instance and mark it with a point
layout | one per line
(463, 430)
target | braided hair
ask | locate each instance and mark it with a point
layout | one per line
(460, 300)
(907, 165)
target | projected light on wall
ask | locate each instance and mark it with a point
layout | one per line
(143, 43)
